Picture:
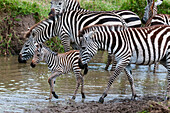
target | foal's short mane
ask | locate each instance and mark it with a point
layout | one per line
(52, 52)
(95, 27)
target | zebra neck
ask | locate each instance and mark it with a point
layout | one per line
(46, 29)
(50, 60)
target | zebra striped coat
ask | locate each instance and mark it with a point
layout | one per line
(141, 46)
(131, 19)
(66, 26)
(59, 64)
(150, 10)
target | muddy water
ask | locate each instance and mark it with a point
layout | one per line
(22, 87)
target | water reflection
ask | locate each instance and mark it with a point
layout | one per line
(23, 87)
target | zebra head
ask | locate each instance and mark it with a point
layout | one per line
(28, 48)
(38, 55)
(150, 9)
(88, 47)
(58, 5)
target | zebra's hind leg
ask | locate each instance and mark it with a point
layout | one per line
(79, 79)
(51, 81)
(128, 71)
(119, 67)
(166, 63)
(113, 65)
(155, 67)
(82, 87)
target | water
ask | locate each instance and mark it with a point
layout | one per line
(23, 87)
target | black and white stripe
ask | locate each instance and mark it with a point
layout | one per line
(141, 46)
(159, 19)
(131, 18)
(66, 25)
(150, 10)
(59, 64)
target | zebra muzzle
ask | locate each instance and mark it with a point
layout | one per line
(20, 59)
(32, 65)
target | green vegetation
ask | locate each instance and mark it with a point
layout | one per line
(40, 9)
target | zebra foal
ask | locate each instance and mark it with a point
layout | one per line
(140, 46)
(59, 64)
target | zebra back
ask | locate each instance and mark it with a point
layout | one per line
(131, 19)
(144, 45)
(159, 19)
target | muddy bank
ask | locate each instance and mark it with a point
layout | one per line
(152, 104)
(12, 32)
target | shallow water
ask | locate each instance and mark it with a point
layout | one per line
(23, 87)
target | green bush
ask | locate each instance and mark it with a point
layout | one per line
(138, 6)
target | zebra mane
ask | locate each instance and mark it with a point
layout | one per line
(97, 27)
(27, 34)
(48, 49)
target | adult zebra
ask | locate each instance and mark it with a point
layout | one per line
(59, 64)
(150, 10)
(141, 46)
(130, 18)
(151, 17)
(60, 6)
(65, 25)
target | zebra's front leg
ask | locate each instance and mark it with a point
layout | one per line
(119, 67)
(51, 81)
(128, 71)
(66, 43)
(109, 60)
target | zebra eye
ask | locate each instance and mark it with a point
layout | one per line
(38, 55)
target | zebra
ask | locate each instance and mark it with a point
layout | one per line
(130, 18)
(59, 64)
(150, 10)
(140, 46)
(60, 6)
(152, 17)
(65, 25)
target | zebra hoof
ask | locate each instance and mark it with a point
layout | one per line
(83, 95)
(101, 100)
(56, 96)
(167, 98)
(73, 98)
(133, 97)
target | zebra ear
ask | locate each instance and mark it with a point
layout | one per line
(33, 33)
(63, 6)
(158, 2)
(91, 33)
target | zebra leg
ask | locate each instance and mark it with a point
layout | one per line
(82, 87)
(128, 71)
(109, 60)
(113, 64)
(78, 81)
(51, 81)
(155, 67)
(66, 43)
(119, 67)
(166, 63)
